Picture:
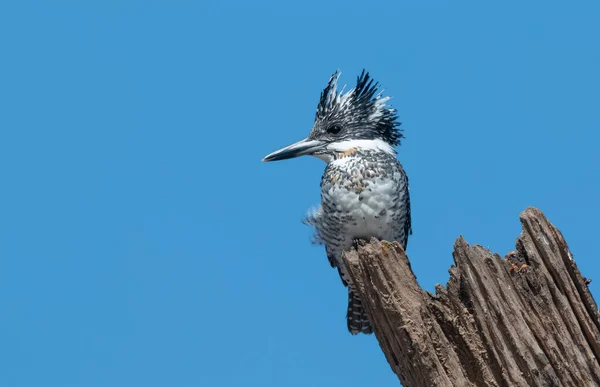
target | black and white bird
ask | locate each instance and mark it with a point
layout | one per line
(364, 190)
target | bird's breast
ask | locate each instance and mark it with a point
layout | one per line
(362, 199)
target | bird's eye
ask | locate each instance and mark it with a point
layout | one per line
(334, 129)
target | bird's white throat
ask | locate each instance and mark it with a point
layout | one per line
(343, 146)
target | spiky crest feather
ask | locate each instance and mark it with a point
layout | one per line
(363, 104)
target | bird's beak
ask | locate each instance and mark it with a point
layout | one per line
(301, 148)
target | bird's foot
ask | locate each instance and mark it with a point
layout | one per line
(356, 243)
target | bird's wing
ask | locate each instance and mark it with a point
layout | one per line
(408, 221)
(404, 216)
(315, 219)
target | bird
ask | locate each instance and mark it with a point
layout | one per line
(364, 188)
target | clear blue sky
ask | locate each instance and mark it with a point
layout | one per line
(142, 241)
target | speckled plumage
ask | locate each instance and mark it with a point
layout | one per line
(363, 194)
(364, 190)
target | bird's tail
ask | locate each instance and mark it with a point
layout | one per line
(358, 322)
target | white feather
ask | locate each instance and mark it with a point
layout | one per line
(376, 144)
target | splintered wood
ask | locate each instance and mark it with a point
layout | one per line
(524, 320)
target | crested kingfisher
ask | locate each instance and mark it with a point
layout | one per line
(364, 189)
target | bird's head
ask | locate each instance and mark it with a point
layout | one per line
(359, 118)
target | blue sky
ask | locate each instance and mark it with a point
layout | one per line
(144, 243)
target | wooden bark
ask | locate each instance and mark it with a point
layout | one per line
(496, 323)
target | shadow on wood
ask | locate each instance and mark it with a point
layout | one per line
(525, 320)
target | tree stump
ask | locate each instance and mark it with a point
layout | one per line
(524, 320)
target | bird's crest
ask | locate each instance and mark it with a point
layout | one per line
(361, 106)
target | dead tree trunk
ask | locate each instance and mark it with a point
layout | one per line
(497, 322)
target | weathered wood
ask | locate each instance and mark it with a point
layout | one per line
(525, 320)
